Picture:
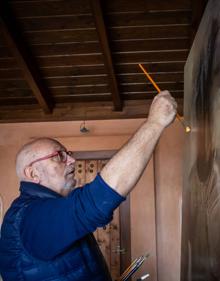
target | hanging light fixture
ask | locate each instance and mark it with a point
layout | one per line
(83, 129)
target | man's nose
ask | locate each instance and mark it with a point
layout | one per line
(70, 160)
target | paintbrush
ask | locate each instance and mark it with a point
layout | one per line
(187, 128)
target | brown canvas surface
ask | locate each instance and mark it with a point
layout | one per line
(201, 193)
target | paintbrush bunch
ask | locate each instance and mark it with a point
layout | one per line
(133, 268)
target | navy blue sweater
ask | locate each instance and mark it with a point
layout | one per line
(47, 237)
(49, 227)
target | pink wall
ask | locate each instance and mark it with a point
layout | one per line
(155, 202)
(168, 185)
(143, 224)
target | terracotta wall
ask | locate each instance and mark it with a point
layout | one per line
(155, 202)
(156, 205)
(168, 185)
(143, 224)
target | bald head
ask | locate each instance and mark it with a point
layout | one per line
(30, 152)
(50, 171)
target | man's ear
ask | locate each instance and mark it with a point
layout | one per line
(31, 175)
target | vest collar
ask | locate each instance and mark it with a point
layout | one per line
(31, 189)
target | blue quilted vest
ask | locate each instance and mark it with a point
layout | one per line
(83, 261)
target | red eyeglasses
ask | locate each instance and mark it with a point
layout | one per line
(57, 156)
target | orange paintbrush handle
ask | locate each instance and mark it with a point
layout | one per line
(187, 128)
(149, 78)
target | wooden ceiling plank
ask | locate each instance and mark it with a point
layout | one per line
(61, 36)
(116, 33)
(103, 38)
(95, 91)
(76, 81)
(143, 5)
(13, 84)
(7, 62)
(50, 8)
(152, 67)
(148, 87)
(70, 70)
(150, 95)
(88, 49)
(82, 80)
(57, 22)
(150, 32)
(83, 21)
(140, 18)
(120, 68)
(104, 88)
(24, 61)
(65, 48)
(11, 74)
(118, 57)
(159, 77)
(116, 46)
(158, 44)
(140, 57)
(63, 7)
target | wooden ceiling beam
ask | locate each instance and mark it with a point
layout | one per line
(78, 110)
(19, 50)
(103, 39)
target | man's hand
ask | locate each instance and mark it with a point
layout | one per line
(163, 109)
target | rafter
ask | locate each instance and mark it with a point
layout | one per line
(76, 111)
(103, 39)
(21, 54)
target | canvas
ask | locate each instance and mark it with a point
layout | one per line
(201, 192)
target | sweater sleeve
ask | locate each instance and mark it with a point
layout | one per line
(51, 225)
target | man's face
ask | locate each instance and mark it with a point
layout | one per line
(53, 173)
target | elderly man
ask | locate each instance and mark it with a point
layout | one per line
(46, 233)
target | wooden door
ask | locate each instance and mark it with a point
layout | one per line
(108, 238)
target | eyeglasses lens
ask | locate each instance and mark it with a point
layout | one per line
(62, 156)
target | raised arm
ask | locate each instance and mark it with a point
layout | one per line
(126, 167)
